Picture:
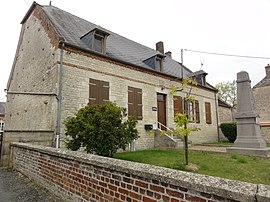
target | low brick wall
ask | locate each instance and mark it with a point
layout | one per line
(77, 176)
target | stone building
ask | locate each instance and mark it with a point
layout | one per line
(224, 111)
(261, 92)
(63, 62)
(2, 116)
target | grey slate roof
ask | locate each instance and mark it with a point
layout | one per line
(2, 108)
(72, 28)
(223, 103)
(262, 83)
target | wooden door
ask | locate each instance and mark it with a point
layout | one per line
(161, 109)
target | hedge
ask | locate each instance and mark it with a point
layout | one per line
(229, 130)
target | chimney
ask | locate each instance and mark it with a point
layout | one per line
(267, 70)
(168, 54)
(160, 47)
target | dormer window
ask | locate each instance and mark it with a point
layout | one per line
(155, 62)
(159, 64)
(99, 45)
(199, 77)
(96, 40)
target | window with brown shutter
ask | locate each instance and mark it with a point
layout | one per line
(135, 102)
(208, 112)
(197, 112)
(178, 104)
(98, 91)
(193, 110)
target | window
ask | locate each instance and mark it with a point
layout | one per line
(193, 110)
(98, 91)
(159, 64)
(135, 102)
(96, 40)
(208, 112)
(2, 123)
(178, 104)
(197, 111)
(99, 42)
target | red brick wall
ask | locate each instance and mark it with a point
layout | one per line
(84, 177)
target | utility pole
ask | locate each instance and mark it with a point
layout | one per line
(182, 60)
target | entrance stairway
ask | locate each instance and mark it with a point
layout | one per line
(164, 137)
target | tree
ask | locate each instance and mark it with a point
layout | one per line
(182, 120)
(100, 129)
(227, 92)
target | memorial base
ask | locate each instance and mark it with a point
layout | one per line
(263, 152)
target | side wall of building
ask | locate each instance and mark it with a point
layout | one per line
(30, 108)
(262, 104)
(79, 68)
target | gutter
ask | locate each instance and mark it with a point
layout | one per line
(59, 97)
(217, 117)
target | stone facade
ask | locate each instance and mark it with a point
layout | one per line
(30, 108)
(79, 68)
(261, 93)
(34, 81)
(76, 176)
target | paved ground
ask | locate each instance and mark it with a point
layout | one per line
(208, 148)
(14, 187)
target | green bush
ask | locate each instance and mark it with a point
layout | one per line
(229, 130)
(100, 129)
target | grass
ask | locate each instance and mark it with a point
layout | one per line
(226, 143)
(231, 166)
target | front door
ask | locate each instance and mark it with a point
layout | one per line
(161, 104)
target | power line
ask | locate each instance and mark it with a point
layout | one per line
(229, 55)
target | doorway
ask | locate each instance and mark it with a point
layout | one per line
(161, 109)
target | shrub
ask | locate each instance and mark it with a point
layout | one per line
(229, 130)
(100, 129)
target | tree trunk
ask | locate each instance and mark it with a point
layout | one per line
(186, 146)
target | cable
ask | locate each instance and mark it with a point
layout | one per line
(229, 55)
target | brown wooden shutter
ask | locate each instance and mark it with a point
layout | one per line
(208, 112)
(197, 112)
(93, 91)
(178, 104)
(138, 103)
(98, 91)
(135, 102)
(104, 92)
(131, 101)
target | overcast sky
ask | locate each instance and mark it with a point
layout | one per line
(239, 27)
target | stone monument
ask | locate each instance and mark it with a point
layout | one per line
(249, 140)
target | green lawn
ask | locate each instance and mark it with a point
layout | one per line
(230, 166)
(225, 143)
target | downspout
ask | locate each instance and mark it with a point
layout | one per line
(217, 117)
(59, 97)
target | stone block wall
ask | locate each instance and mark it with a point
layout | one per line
(262, 105)
(77, 176)
(79, 67)
(31, 95)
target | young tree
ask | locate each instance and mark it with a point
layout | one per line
(227, 92)
(100, 129)
(182, 120)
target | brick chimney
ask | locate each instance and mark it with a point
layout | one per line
(168, 54)
(267, 70)
(160, 47)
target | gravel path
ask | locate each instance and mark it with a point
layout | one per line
(14, 187)
(208, 148)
